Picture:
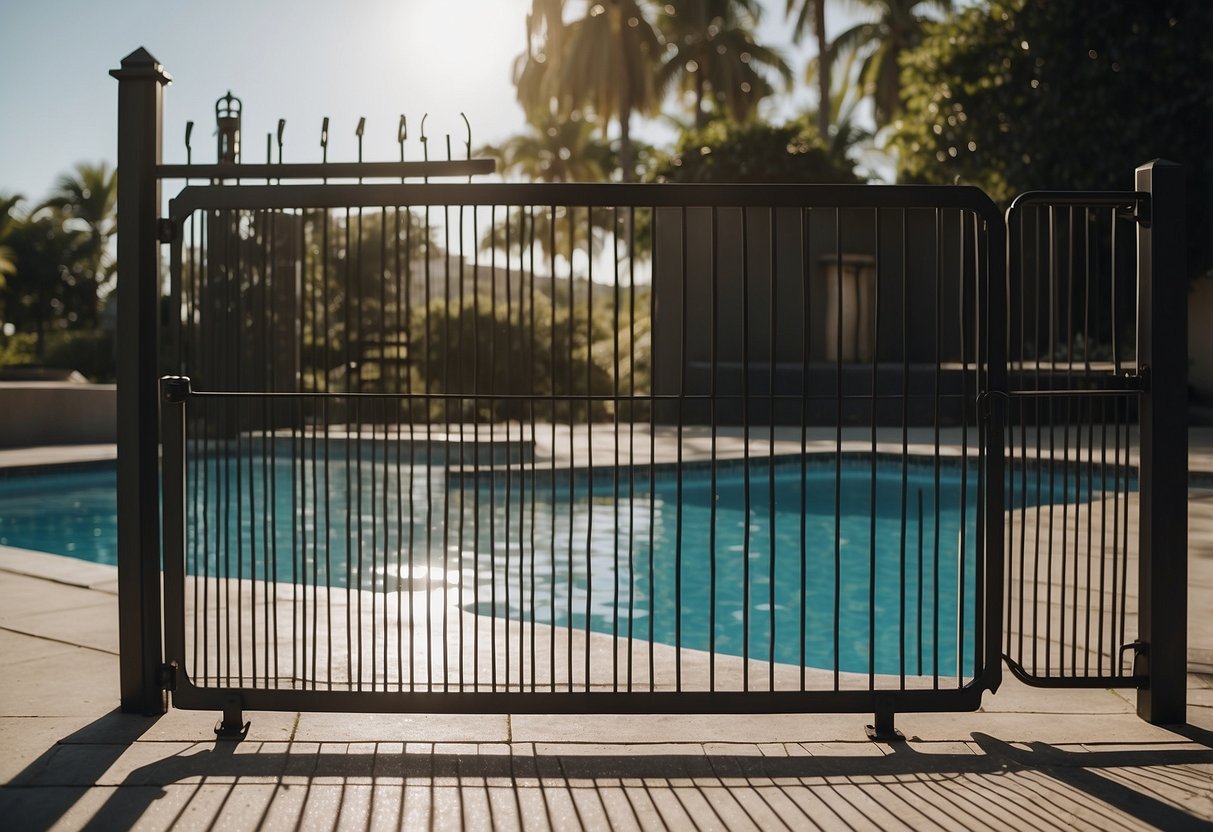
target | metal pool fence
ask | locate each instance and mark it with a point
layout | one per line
(541, 448)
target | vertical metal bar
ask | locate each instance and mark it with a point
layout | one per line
(492, 512)
(476, 444)
(349, 304)
(714, 359)
(872, 402)
(1163, 524)
(460, 409)
(837, 441)
(653, 365)
(572, 417)
(399, 384)
(427, 414)
(552, 452)
(1066, 465)
(615, 445)
(935, 501)
(1086, 357)
(632, 401)
(174, 394)
(964, 442)
(449, 387)
(534, 394)
(1051, 253)
(806, 289)
(141, 82)
(991, 263)
(411, 573)
(745, 446)
(682, 393)
(773, 246)
(589, 435)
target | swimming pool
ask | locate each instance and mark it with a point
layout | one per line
(604, 551)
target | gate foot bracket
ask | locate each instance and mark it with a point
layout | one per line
(232, 726)
(883, 730)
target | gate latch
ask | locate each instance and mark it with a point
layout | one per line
(1138, 380)
(1140, 649)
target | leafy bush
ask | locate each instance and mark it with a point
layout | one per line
(1013, 95)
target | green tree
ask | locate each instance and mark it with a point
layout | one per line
(1014, 95)
(815, 10)
(711, 53)
(754, 152)
(50, 286)
(898, 27)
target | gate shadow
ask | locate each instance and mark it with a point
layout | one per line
(1036, 783)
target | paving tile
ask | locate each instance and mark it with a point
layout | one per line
(645, 728)
(16, 648)
(403, 727)
(26, 741)
(94, 625)
(1047, 728)
(78, 682)
(24, 595)
(199, 726)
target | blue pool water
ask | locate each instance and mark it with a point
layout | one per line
(603, 553)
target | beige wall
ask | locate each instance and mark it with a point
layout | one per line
(57, 413)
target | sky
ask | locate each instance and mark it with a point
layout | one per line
(300, 60)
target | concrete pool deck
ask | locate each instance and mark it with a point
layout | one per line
(1030, 758)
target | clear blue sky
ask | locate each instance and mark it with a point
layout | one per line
(295, 59)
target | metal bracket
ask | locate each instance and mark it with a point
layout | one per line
(166, 230)
(882, 729)
(1141, 211)
(168, 676)
(232, 726)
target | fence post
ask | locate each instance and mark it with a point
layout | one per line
(141, 82)
(1162, 349)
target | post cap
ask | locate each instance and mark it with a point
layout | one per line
(141, 64)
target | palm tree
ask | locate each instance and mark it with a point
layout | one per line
(898, 27)
(88, 198)
(609, 63)
(8, 262)
(556, 149)
(816, 9)
(712, 54)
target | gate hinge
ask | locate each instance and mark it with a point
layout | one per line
(166, 230)
(168, 676)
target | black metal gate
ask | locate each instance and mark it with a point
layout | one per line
(584, 448)
(1090, 441)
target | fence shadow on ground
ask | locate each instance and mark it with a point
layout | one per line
(527, 786)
